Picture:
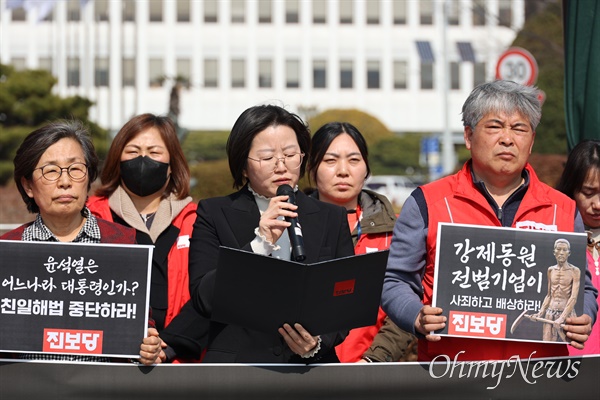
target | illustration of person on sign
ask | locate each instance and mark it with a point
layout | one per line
(563, 288)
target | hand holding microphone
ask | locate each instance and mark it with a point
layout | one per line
(271, 225)
(294, 230)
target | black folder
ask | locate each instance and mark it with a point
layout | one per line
(262, 293)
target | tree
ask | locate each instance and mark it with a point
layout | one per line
(542, 36)
(27, 102)
(388, 153)
(179, 82)
(371, 128)
(399, 155)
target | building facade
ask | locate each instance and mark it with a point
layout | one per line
(401, 61)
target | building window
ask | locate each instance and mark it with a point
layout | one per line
(478, 10)
(425, 52)
(101, 71)
(238, 11)
(346, 11)
(346, 74)
(73, 11)
(211, 11)
(319, 11)
(156, 10)
(238, 73)
(426, 12)
(400, 74)
(372, 12)
(128, 72)
(265, 73)
(292, 73)
(128, 10)
(19, 63)
(183, 10)
(18, 14)
(265, 11)
(478, 73)
(426, 76)
(504, 13)
(292, 12)
(211, 73)
(453, 12)
(373, 75)
(49, 17)
(454, 75)
(156, 73)
(399, 12)
(101, 10)
(45, 63)
(466, 51)
(184, 70)
(73, 71)
(319, 74)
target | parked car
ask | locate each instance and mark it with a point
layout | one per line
(396, 188)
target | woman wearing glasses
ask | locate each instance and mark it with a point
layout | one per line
(54, 168)
(267, 148)
(145, 185)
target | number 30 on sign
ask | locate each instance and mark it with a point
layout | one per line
(518, 65)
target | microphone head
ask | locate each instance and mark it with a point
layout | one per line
(285, 190)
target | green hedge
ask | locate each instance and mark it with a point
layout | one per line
(205, 146)
(210, 179)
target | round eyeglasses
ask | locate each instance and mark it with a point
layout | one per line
(291, 161)
(52, 172)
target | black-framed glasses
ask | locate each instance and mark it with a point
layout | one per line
(52, 172)
(291, 161)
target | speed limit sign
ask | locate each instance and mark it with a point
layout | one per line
(518, 65)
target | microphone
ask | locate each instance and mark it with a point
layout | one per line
(294, 230)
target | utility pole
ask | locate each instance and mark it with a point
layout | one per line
(447, 142)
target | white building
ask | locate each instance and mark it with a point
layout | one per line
(385, 57)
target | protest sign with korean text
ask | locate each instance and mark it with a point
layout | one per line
(74, 298)
(507, 283)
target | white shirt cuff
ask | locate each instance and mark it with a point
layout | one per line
(260, 244)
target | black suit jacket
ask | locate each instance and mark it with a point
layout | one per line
(230, 221)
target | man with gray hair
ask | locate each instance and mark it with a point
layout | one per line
(496, 187)
(563, 288)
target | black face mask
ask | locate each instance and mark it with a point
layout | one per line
(143, 175)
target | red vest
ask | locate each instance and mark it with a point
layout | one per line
(455, 199)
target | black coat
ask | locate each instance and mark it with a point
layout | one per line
(230, 221)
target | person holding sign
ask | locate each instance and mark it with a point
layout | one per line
(496, 187)
(339, 166)
(580, 181)
(267, 150)
(54, 168)
(145, 186)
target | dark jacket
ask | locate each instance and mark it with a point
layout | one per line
(231, 221)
